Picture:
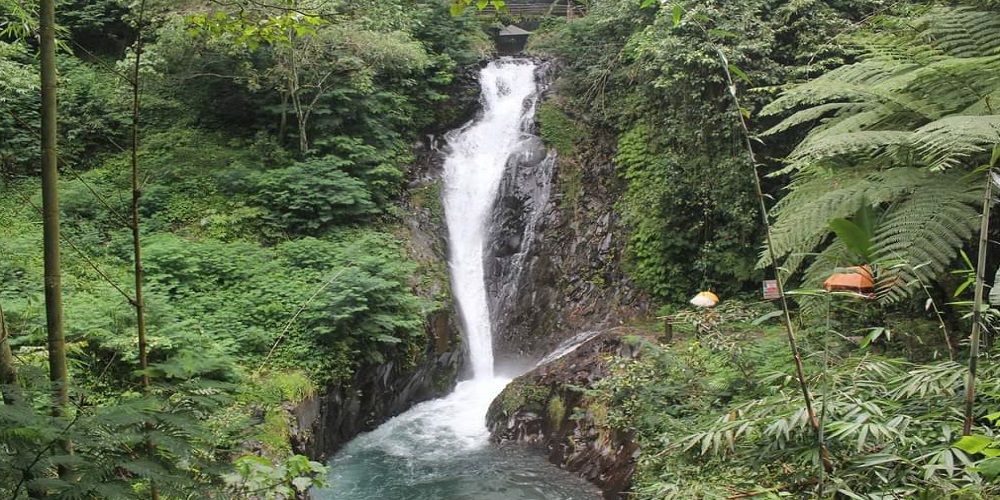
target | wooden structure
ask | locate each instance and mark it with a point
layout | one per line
(511, 40)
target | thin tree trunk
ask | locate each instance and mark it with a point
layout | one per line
(8, 373)
(139, 302)
(294, 89)
(58, 372)
(793, 345)
(283, 124)
(977, 304)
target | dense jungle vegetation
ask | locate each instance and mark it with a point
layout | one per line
(872, 127)
(272, 144)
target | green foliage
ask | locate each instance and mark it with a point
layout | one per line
(652, 75)
(673, 207)
(118, 448)
(895, 132)
(231, 286)
(889, 425)
(309, 197)
(558, 129)
(722, 415)
(95, 27)
(520, 395)
(258, 478)
(18, 113)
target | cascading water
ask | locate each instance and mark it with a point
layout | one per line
(472, 175)
(438, 450)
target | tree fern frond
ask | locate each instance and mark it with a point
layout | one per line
(880, 118)
(906, 50)
(920, 98)
(858, 145)
(810, 115)
(802, 216)
(832, 88)
(925, 229)
(962, 32)
(986, 105)
(952, 84)
(948, 142)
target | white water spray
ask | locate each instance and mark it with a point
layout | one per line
(438, 449)
(472, 174)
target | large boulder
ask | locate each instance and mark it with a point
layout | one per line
(550, 407)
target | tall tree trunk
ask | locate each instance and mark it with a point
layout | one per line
(138, 301)
(8, 374)
(977, 302)
(58, 373)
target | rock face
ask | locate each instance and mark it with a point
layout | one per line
(326, 422)
(550, 408)
(554, 265)
(510, 259)
(553, 269)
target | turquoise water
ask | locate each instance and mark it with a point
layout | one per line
(439, 450)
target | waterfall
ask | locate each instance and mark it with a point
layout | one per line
(439, 450)
(472, 174)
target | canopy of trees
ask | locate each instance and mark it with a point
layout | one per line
(271, 145)
(256, 152)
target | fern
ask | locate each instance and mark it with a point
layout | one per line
(925, 230)
(897, 130)
(963, 32)
(953, 141)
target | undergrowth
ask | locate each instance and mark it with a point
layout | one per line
(720, 415)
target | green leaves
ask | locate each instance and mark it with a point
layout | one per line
(289, 478)
(458, 7)
(989, 447)
(309, 197)
(857, 234)
(254, 28)
(908, 107)
(973, 444)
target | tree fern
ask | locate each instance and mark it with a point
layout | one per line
(898, 130)
(964, 32)
(955, 140)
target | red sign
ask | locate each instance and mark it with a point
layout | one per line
(770, 289)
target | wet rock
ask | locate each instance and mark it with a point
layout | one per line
(549, 407)
(326, 422)
(554, 262)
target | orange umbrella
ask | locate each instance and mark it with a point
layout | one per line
(853, 279)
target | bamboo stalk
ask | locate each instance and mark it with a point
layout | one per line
(977, 305)
(793, 345)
